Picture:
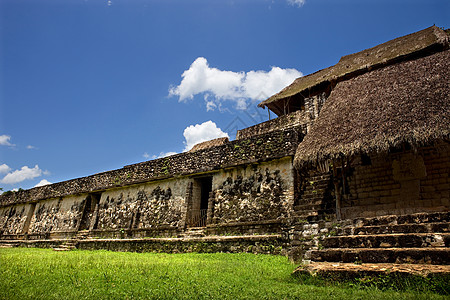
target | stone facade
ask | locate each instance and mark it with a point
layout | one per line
(252, 191)
(246, 196)
(246, 192)
(402, 182)
(255, 149)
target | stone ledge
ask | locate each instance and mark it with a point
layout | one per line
(268, 244)
(350, 270)
(436, 255)
(298, 118)
(249, 223)
(210, 238)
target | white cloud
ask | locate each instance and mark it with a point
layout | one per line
(163, 154)
(193, 135)
(4, 168)
(43, 182)
(30, 147)
(4, 140)
(198, 133)
(227, 85)
(298, 3)
(23, 174)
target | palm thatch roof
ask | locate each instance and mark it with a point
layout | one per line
(426, 41)
(209, 144)
(403, 103)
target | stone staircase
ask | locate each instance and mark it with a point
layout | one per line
(66, 246)
(71, 244)
(194, 232)
(317, 201)
(386, 243)
(82, 235)
(6, 245)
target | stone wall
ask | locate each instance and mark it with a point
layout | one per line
(249, 199)
(13, 219)
(272, 145)
(56, 215)
(398, 183)
(267, 244)
(254, 193)
(295, 119)
(144, 206)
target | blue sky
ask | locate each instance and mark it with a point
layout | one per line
(92, 85)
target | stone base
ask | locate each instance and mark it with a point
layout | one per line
(351, 270)
(264, 244)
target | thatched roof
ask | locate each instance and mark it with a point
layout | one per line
(406, 102)
(209, 144)
(410, 46)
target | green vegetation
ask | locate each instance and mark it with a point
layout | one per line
(46, 274)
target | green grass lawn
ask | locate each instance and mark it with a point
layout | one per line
(46, 274)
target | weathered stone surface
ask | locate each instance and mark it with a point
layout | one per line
(389, 240)
(12, 219)
(401, 182)
(268, 244)
(272, 145)
(57, 215)
(254, 193)
(435, 256)
(143, 206)
(298, 118)
(351, 270)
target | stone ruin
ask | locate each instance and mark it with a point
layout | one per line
(349, 176)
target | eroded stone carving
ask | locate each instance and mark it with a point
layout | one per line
(258, 197)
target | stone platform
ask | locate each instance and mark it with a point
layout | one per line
(351, 270)
(267, 244)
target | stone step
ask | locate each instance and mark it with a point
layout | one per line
(320, 178)
(305, 213)
(61, 249)
(435, 256)
(194, 232)
(313, 194)
(314, 201)
(351, 270)
(71, 244)
(401, 228)
(306, 207)
(411, 240)
(419, 218)
(84, 234)
(317, 186)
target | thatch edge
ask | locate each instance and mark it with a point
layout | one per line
(419, 138)
(440, 38)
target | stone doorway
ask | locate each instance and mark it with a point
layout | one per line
(89, 218)
(201, 188)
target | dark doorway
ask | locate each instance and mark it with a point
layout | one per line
(201, 189)
(206, 188)
(88, 219)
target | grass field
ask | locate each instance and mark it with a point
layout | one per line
(46, 274)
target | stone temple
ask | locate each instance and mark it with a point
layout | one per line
(355, 168)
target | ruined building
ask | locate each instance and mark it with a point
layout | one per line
(354, 168)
